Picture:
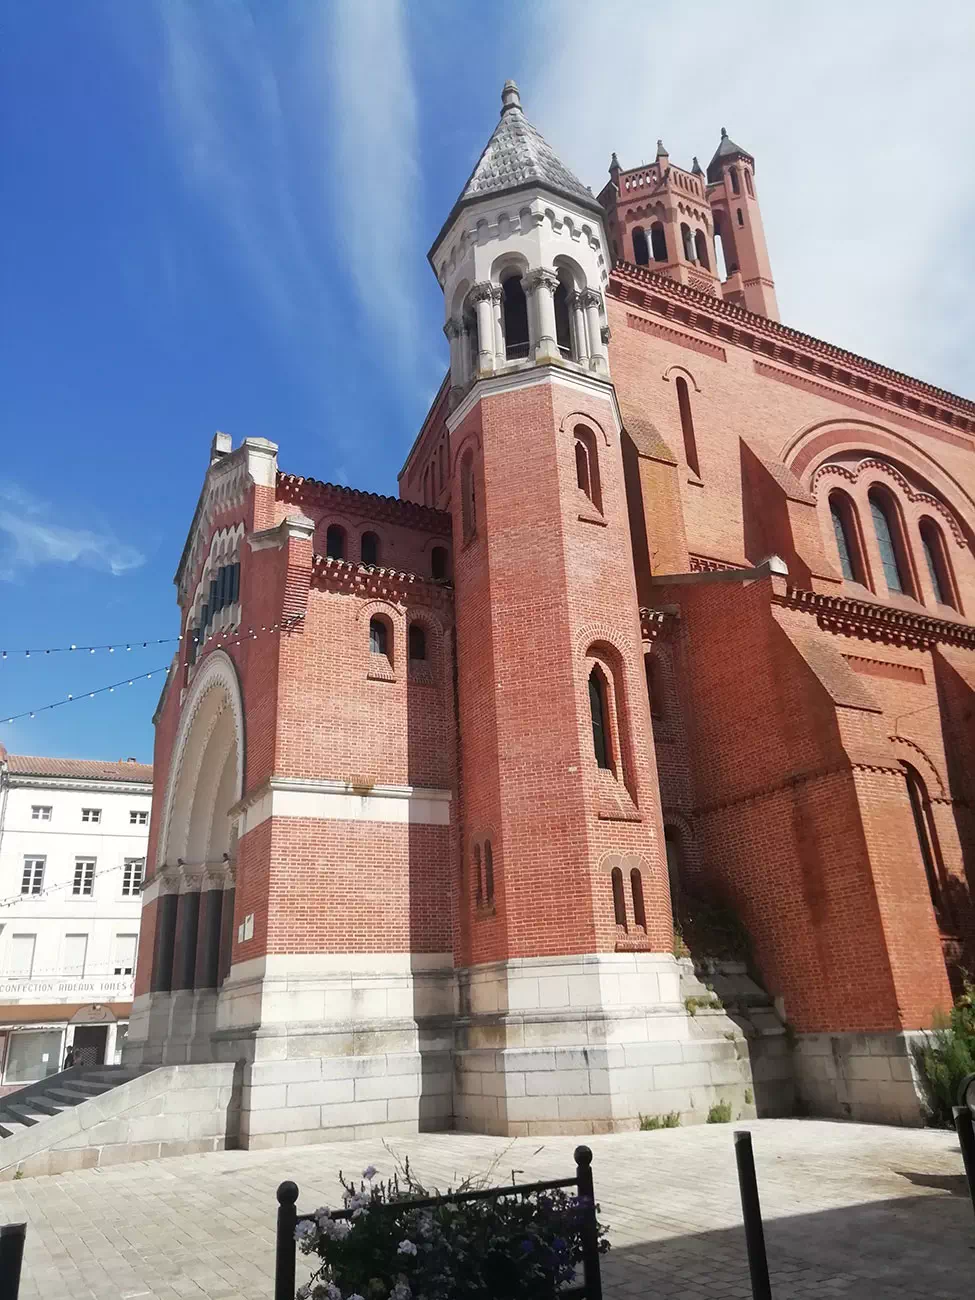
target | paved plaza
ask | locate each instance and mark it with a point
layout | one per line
(850, 1210)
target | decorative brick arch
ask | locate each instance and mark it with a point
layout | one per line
(871, 466)
(570, 421)
(684, 373)
(212, 721)
(912, 753)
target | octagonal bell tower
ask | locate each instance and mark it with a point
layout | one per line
(564, 910)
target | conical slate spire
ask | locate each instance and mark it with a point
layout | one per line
(517, 157)
(697, 169)
(726, 151)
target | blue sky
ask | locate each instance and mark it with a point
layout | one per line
(216, 216)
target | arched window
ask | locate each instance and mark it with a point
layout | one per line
(417, 641)
(890, 542)
(672, 846)
(335, 542)
(378, 637)
(467, 499)
(687, 240)
(653, 686)
(488, 872)
(748, 183)
(563, 332)
(936, 558)
(369, 548)
(735, 187)
(658, 242)
(701, 247)
(636, 887)
(687, 425)
(514, 309)
(587, 465)
(843, 514)
(438, 563)
(619, 900)
(600, 720)
(478, 879)
(924, 826)
(641, 253)
(741, 219)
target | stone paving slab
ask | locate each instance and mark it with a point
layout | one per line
(850, 1211)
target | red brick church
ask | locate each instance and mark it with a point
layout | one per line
(669, 619)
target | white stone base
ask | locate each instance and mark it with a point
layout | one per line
(865, 1077)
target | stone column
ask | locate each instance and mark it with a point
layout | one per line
(227, 924)
(592, 301)
(187, 929)
(211, 919)
(540, 285)
(454, 330)
(580, 338)
(167, 900)
(497, 298)
(482, 296)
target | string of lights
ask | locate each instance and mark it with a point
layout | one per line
(100, 874)
(217, 638)
(124, 646)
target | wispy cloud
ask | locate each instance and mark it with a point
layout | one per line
(30, 536)
(375, 189)
(859, 119)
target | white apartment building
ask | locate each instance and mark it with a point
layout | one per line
(73, 837)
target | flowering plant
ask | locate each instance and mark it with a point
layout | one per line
(498, 1247)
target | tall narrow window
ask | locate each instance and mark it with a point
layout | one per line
(641, 252)
(619, 899)
(924, 826)
(75, 955)
(741, 219)
(748, 184)
(658, 242)
(735, 187)
(936, 558)
(687, 241)
(33, 878)
(478, 878)
(84, 877)
(417, 639)
(687, 426)
(378, 637)
(563, 333)
(597, 710)
(672, 845)
(132, 872)
(468, 512)
(441, 457)
(889, 542)
(843, 515)
(701, 248)
(653, 686)
(369, 548)
(514, 312)
(335, 542)
(438, 563)
(488, 872)
(587, 465)
(636, 887)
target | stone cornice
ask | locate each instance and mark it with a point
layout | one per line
(374, 582)
(28, 781)
(656, 293)
(370, 505)
(864, 619)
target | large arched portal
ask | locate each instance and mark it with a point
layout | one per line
(193, 886)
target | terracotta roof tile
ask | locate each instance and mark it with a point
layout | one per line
(85, 769)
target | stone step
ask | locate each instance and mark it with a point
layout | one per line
(69, 1096)
(20, 1114)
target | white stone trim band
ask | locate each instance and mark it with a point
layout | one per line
(344, 801)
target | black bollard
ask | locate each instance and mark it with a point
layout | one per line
(966, 1140)
(284, 1260)
(752, 1214)
(11, 1257)
(590, 1234)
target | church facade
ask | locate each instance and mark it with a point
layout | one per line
(623, 763)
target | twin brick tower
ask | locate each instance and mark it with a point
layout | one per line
(622, 764)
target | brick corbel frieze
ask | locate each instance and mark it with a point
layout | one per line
(870, 622)
(657, 624)
(368, 505)
(679, 304)
(373, 582)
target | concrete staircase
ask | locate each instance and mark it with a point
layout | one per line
(35, 1102)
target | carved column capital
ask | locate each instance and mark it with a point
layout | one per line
(454, 328)
(540, 278)
(482, 292)
(592, 298)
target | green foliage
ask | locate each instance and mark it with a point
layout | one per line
(649, 1123)
(945, 1056)
(18, 1175)
(498, 1248)
(694, 1005)
(749, 1096)
(720, 1113)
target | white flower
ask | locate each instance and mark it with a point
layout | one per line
(369, 1173)
(359, 1211)
(356, 1296)
(303, 1292)
(406, 1248)
(306, 1233)
(401, 1291)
